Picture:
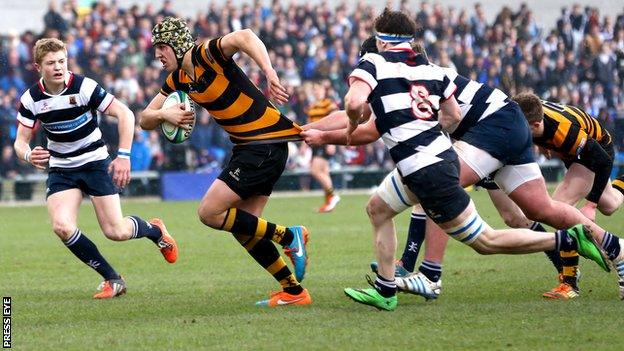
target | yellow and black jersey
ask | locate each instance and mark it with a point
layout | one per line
(321, 109)
(236, 104)
(567, 129)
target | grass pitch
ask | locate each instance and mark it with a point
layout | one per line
(206, 300)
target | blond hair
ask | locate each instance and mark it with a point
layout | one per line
(46, 45)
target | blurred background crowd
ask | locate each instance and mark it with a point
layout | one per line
(579, 62)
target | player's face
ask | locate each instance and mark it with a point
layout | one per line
(165, 54)
(53, 67)
(537, 128)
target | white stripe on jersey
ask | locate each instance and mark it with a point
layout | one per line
(425, 157)
(496, 101)
(469, 92)
(398, 101)
(28, 102)
(365, 76)
(96, 155)
(409, 130)
(68, 147)
(393, 70)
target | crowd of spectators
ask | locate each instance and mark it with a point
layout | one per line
(579, 62)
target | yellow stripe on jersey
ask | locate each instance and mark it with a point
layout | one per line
(567, 128)
(269, 118)
(231, 98)
(241, 105)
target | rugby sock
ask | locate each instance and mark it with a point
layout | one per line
(329, 192)
(570, 260)
(265, 253)
(553, 255)
(244, 223)
(385, 287)
(431, 270)
(141, 228)
(415, 238)
(618, 184)
(564, 242)
(88, 253)
(611, 244)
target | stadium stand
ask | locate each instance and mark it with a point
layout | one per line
(579, 62)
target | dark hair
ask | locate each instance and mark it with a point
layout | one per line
(531, 106)
(368, 45)
(395, 22)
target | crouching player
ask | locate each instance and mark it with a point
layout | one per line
(66, 105)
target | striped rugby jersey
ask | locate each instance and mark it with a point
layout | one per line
(69, 120)
(405, 100)
(567, 129)
(235, 103)
(476, 101)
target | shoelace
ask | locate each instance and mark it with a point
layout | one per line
(164, 245)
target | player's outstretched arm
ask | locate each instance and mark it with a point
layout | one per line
(247, 41)
(152, 116)
(364, 134)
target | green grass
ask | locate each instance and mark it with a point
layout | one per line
(206, 300)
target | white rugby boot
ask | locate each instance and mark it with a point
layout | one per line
(418, 284)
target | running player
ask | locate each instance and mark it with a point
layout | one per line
(235, 201)
(319, 167)
(66, 103)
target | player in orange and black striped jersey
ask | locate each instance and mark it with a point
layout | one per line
(234, 202)
(584, 145)
(319, 167)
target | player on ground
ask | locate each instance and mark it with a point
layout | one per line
(408, 97)
(66, 105)
(319, 167)
(235, 201)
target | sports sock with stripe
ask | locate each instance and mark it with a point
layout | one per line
(141, 228)
(611, 244)
(385, 287)
(87, 252)
(570, 261)
(431, 270)
(567, 247)
(265, 253)
(244, 223)
(415, 238)
(553, 255)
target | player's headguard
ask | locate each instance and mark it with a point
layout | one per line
(175, 33)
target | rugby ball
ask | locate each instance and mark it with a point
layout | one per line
(173, 133)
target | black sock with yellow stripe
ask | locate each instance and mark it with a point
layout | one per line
(265, 253)
(618, 184)
(244, 223)
(570, 260)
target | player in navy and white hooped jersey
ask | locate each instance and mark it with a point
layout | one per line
(66, 105)
(392, 84)
(69, 120)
